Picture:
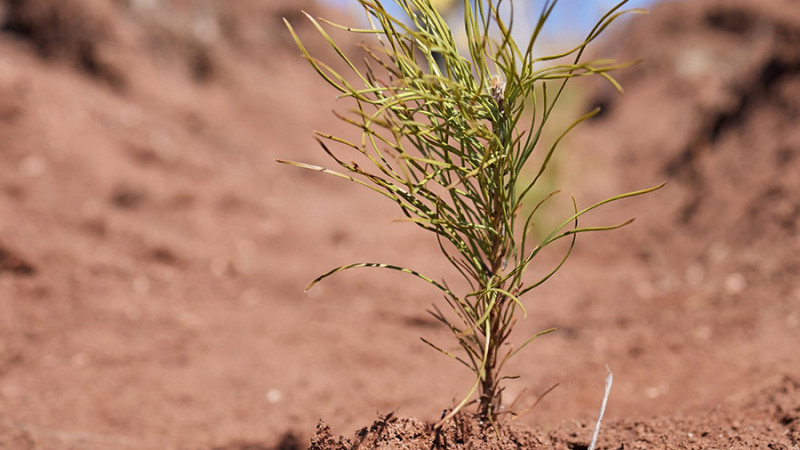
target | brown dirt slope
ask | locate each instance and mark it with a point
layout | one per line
(153, 254)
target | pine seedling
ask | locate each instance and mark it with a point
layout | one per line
(446, 134)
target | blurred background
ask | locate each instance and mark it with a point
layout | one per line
(571, 16)
(153, 254)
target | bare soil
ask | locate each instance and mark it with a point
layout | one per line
(153, 255)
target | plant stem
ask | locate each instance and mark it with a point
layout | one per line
(491, 395)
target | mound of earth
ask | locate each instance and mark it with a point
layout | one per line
(718, 96)
(769, 418)
(153, 254)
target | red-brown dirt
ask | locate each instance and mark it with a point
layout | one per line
(153, 254)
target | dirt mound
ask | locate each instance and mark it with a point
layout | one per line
(153, 254)
(145, 214)
(765, 418)
(463, 432)
(714, 110)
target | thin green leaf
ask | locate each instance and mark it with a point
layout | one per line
(381, 266)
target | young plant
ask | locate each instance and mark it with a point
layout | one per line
(446, 133)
